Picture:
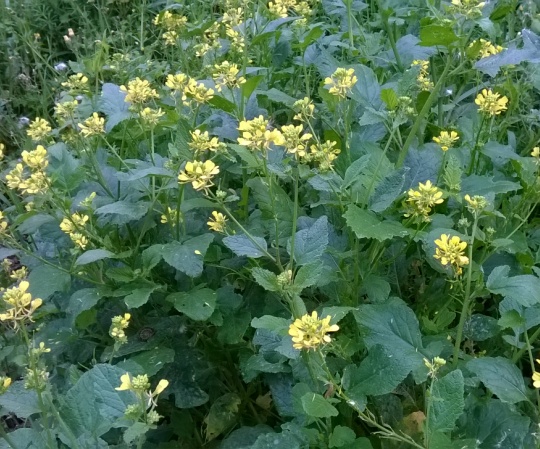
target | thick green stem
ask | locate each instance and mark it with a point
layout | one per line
(467, 298)
(423, 113)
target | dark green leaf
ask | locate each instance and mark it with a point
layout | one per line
(188, 257)
(139, 296)
(196, 304)
(446, 402)
(266, 279)
(46, 280)
(310, 243)
(317, 406)
(93, 255)
(242, 245)
(525, 289)
(113, 104)
(222, 415)
(20, 401)
(365, 224)
(431, 35)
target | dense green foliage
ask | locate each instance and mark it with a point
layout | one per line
(252, 225)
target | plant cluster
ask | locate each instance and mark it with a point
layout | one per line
(294, 224)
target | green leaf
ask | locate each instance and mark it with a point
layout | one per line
(245, 437)
(379, 373)
(92, 406)
(317, 406)
(196, 304)
(46, 279)
(388, 190)
(365, 224)
(352, 174)
(524, 289)
(501, 376)
(123, 211)
(390, 98)
(278, 96)
(270, 322)
(275, 441)
(93, 255)
(242, 245)
(188, 257)
(431, 35)
(81, 301)
(446, 402)
(307, 276)
(485, 185)
(112, 103)
(266, 279)
(235, 326)
(139, 296)
(310, 243)
(65, 171)
(135, 431)
(147, 362)
(20, 401)
(31, 222)
(394, 327)
(24, 438)
(341, 436)
(222, 415)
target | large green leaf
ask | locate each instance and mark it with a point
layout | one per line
(310, 243)
(20, 401)
(122, 212)
(81, 301)
(366, 224)
(446, 402)
(501, 376)
(91, 407)
(485, 185)
(317, 406)
(379, 373)
(196, 304)
(188, 257)
(222, 415)
(112, 103)
(242, 245)
(395, 328)
(24, 438)
(93, 255)
(147, 362)
(434, 34)
(46, 279)
(525, 289)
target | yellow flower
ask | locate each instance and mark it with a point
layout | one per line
(19, 274)
(75, 222)
(2, 151)
(36, 159)
(198, 92)
(93, 126)
(118, 324)
(469, 8)
(15, 177)
(279, 8)
(423, 79)
(200, 174)
(256, 136)
(226, 75)
(234, 16)
(446, 139)
(66, 109)
(237, 39)
(476, 203)
(536, 377)
(304, 109)
(324, 154)
(39, 129)
(217, 222)
(170, 21)
(38, 182)
(201, 141)
(451, 251)
(151, 116)
(21, 305)
(294, 140)
(5, 382)
(535, 152)
(170, 38)
(420, 202)
(125, 384)
(177, 82)
(341, 82)
(139, 91)
(162, 384)
(491, 103)
(486, 48)
(76, 83)
(310, 332)
(78, 239)
(170, 217)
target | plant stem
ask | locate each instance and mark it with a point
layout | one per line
(531, 361)
(423, 113)
(467, 298)
(295, 217)
(533, 338)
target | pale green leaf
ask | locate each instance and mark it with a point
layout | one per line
(366, 224)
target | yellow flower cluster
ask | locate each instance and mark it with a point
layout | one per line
(423, 79)
(198, 92)
(281, 8)
(76, 83)
(201, 142)
(491, 103)
(151, 116)
(199, 174)
(38, 181)
(170, 217)
(420, 202)
(226, 75)
(256, 136)
(304, 109)
(20, 274)
(469, 8)
(486, 48)
(536, 377)
(172, 24)
(217, 222)
(446, 139)
(434, 365)
(451, 251)
(341, 82)
(20, 305)
(476, 204)
(2, 151)
(65, 110)
(295, 140)
(74, 226)
(5, 382)
(93, 126)
(140, 385)
(310, 331)
(536, 154)
(118, 325)
(39, 129)
(324, 154)
(210, 40)
(139, 91)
